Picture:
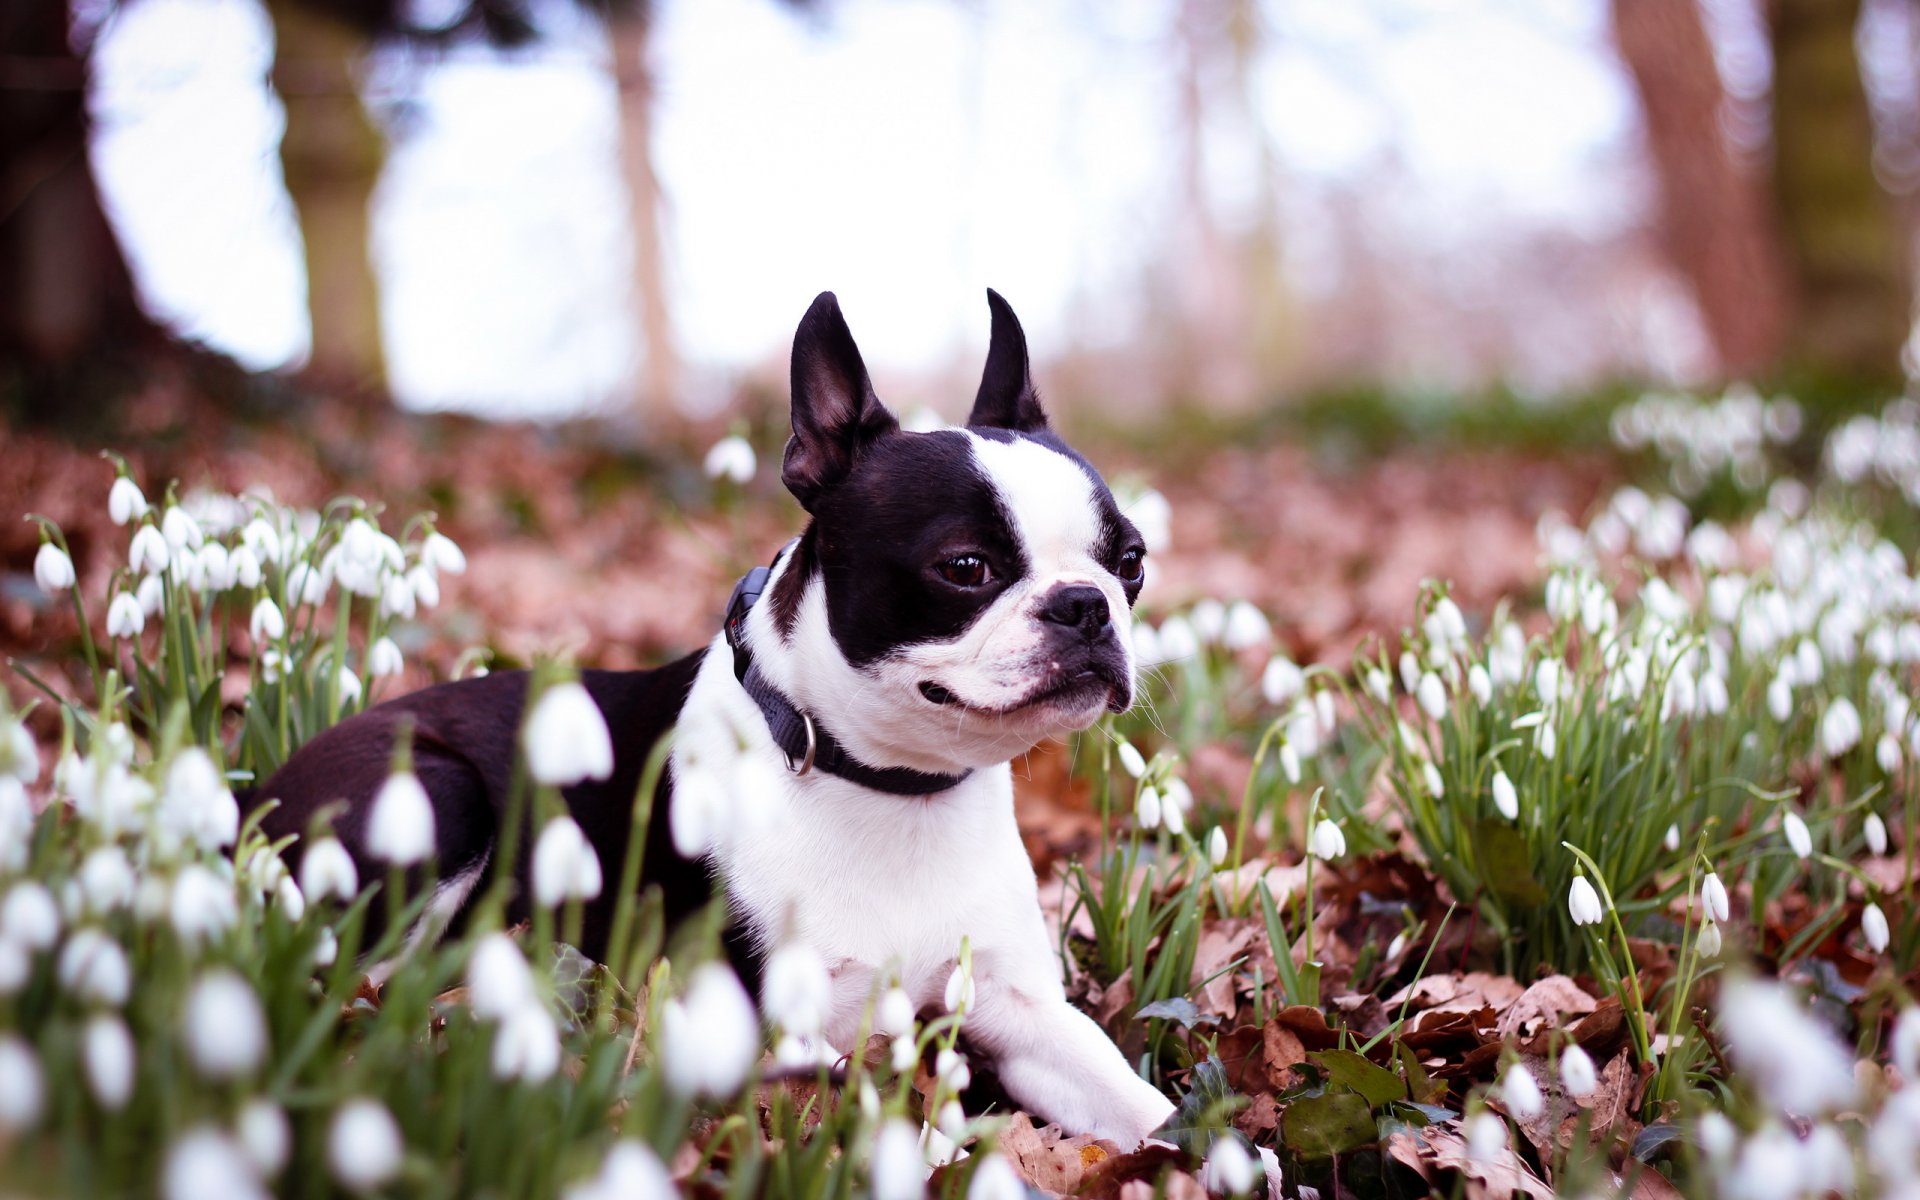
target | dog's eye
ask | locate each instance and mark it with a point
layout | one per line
(1132, 564)
(965, 570)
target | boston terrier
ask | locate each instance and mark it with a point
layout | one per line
(957, 597)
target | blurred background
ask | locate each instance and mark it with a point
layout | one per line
(559, 208)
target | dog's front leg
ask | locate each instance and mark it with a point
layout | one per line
(1058, 1063)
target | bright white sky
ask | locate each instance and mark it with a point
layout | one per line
(905, 153)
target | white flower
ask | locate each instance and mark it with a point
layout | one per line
(797, 992)
(224, 1029)
(1217, 846)
(1430, 775)
(148, 551)
(1433, 696)
(125, 617)
(1672, 839)
(1713, 898)
(152, 593)
(400, 829)
(1326, 841)
(1577, 1073)
(499, 982)
(1546, 681)
(52, 569)
(1799, 837)
(566, 738)
(731, 458)
(441, 553)
(1520, 1092)
(1152, 515)
(1246, 627)
(290, 899)
(1906, 1043)
(181, 530)
(1379, 686)
(107, 879)
(952, 1070)
(1172, 816)
(206, 1162)
(894, 1015)
(1710, 940)
(266, 624)
(1282, 680)
(565, 866)
(202, 906)
(426, 588)
(211, 569)
(125, 501)
(1230, 1168)
(1583, 902)
(1290, 762)
(1486, 1137)
(899, 1169)
(1886, 753)
(16, 966)
(243, 565)
(107, 1053)
(1146, 808)
(1130, 760)
(397, 598)
(1794, 1061)
(1839, 727)
(19, 757)
(1480, 684)
(349, 687)
(1505, 799)
(994, 1179)
(631, 1171)
(1209, 618)
(327, 949)
(327, 870)
(1873, 927)
(905, 1054)
(710, 1037)
(1546, 741)
(22, 1088)
(263, 1133)
(262, 541)
(364, 1148)
(29, 916)
(1876, 832)
(197, 805)
(1177, 639)
(526, 1045)
(93, 967)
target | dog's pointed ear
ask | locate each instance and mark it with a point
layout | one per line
(835, 413)
(1007, 399)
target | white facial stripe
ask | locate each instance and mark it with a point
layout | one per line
(1047, 496)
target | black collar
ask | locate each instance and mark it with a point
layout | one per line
(807, 745)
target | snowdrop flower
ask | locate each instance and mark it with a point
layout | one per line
(731, 458)
(266, 624)
(1209, 619)
(400, 827)
(959, 991)
(52, 569)
(1577, 1073)
(1710, 940)
(499, 982)
(364, 1148)
(150, 595)
(1433, 697)
(1906, 1042)
(994, 1179)
(1546, 741)
(107, 1054)
(1430, 775)
(1246, 627)
(566, 738)
(197, 805)
(1282, 680)
(1152, 515)
(1409, 671)
(1379, 686)
(327, 870)
(631, 1171)
(205, 1162)
(1480, 684)
(899, 1169)
(1177, 639)
(565, 867)
(1873, 927)
(202, 907)
(1230, 1168)
(1327, 842)
(1712, 694)
(107, 879)
(952, 1070)
(1520, 1092)
(1172, 816)
(397, 598)
(1672, 839)
(1290, 762)
(125, 501)
(224, 1028)
(125, 617)
(1795, 1062)
(22, 1088)
(93, 967)
(181, 530)
(1146, 646)
(1505, 799)
(1217, 846)
(1839, 728)
(442, 553)
(148, 551)
(327, 949)
(1799, 837)
(526, 1046)
(894, 1014)
(1130, 760)
(263, 1133)
(16, 966)
(426, 588)
(1886, 753)
(29, 916)
(243, 568)
(797, 992)
(1583, 902)
(1146, 809)
(711, 1037)
(905, 1054)
(1876, 832)
(1486, 1137)
(1780, 698)
(1713, 898)
(349, 687)
(211, 570)
(1546, 681)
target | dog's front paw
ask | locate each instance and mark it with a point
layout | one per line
(1135, 1114)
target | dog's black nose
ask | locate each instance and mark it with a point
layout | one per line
(1078, 606)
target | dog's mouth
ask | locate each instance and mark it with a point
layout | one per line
(1074, 689)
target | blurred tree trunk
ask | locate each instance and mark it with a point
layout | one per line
(630, 32)
(68, 307)
(331, 155)
(1713, 212)
(1847, 255)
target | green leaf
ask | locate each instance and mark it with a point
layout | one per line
(1421, 1087)
(1505, 865)
(1205, 1108)
(1379, 1085)
(1179, 1009)
(1654, 1141)
(1334, 1123)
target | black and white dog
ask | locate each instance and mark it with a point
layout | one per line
(958, 596)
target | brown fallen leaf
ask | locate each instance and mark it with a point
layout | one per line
(1545, 1004)
(1221, 943)
(1049, 1160)
(1457, 993)
(1440, 1148)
